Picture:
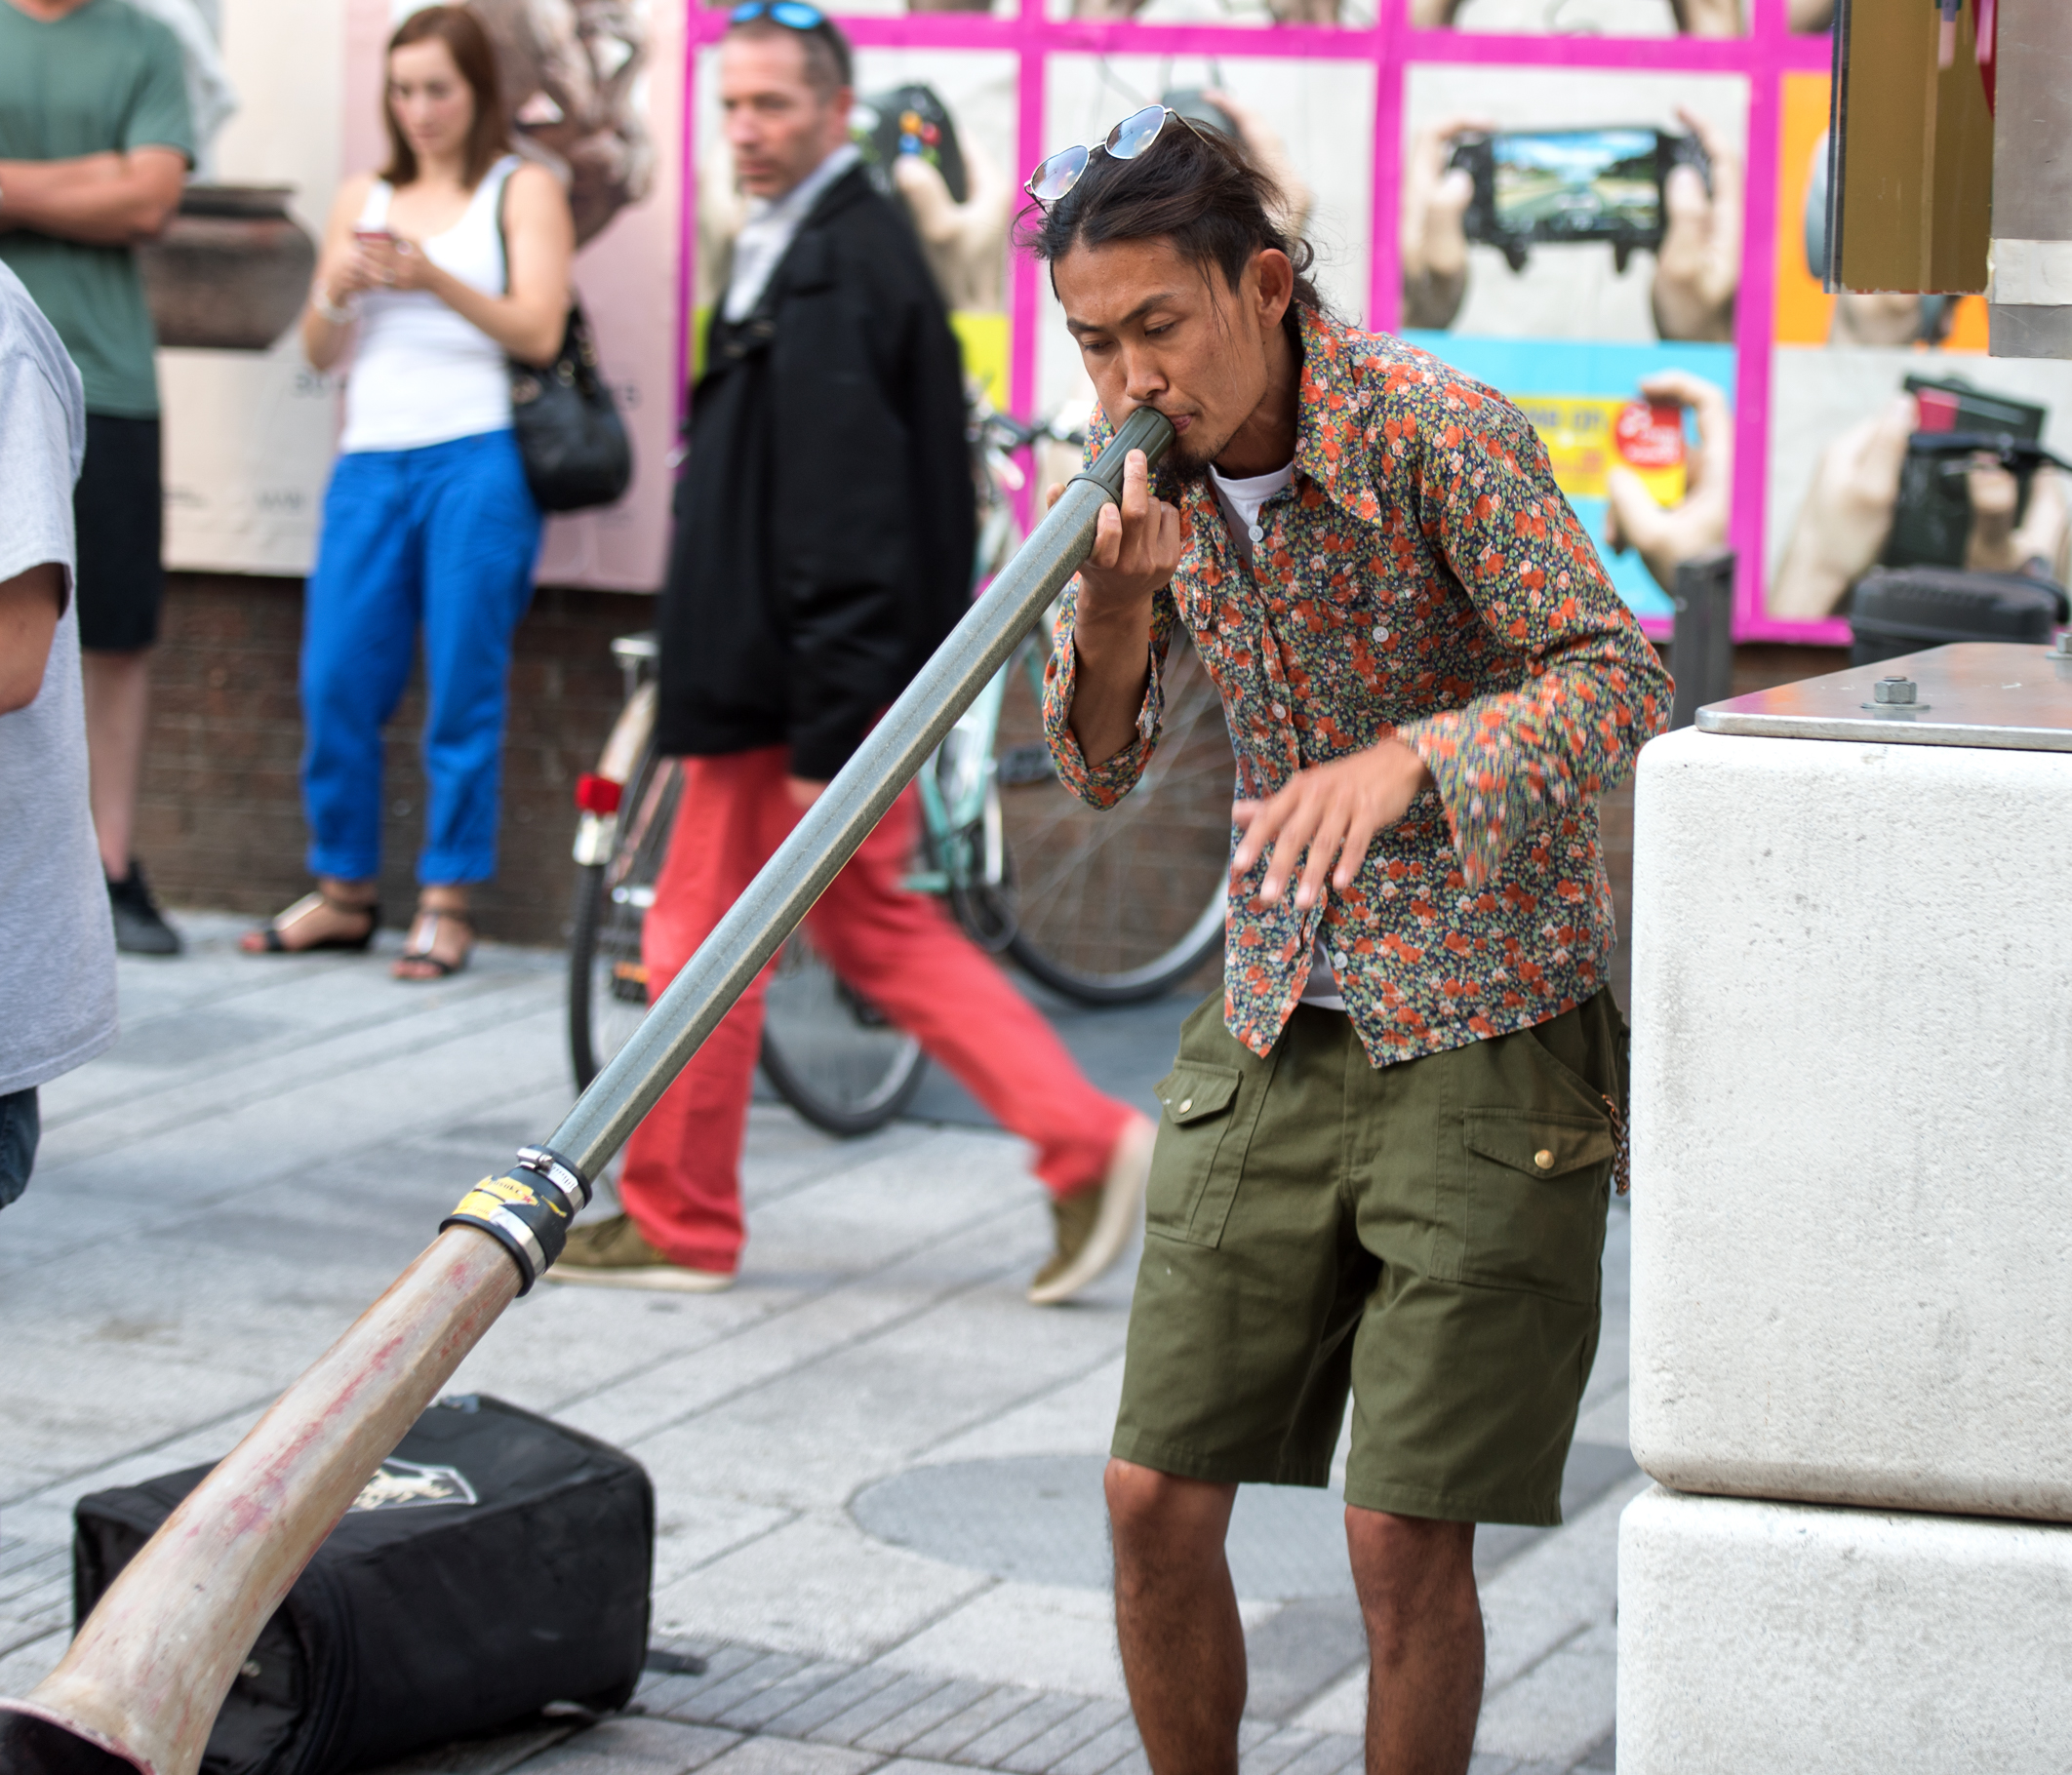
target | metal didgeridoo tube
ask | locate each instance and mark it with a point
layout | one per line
(139, 1687)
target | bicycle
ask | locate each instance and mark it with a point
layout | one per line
(1106, 908)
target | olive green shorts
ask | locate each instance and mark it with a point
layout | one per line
(1426, 1235)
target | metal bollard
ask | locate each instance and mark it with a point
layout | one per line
(1701, 644)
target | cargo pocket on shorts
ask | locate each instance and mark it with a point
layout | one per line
(1535, 1196)
(1193, 1179)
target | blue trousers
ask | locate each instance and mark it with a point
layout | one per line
(441, 539)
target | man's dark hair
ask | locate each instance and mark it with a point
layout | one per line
(829, 64)
(1196, 187)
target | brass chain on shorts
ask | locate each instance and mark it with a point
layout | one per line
(1622, 1157)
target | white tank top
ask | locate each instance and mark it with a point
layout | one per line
(421, 374)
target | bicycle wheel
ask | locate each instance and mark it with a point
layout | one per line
(829, 1052)
(608, 982)
(1117, 907)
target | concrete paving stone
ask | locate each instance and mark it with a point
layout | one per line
(828, 1318)
(755, 1711)
(624, 1745)
(1327, 1756)
(1603, 1758)
(22, 1669)
(819, 1712)
(1606, 1421)
(990, 1750)
(817, 1588)
(894, 1715)
(789, 1757)
(1479, 1764)
(1273, 1754)
(1568, 1581)
(1076, 1416)
(677, 1693)
(1299, 1651)
(1044, 1635)
(494, 1756)
(44, 1517)
(1136, 1762)
(699, 1529)
(1103, 1751)
(747, 1680)
(1050, 1747)
(1560, 1708)
(993, 1706)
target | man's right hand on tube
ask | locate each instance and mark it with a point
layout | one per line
(1136, 548)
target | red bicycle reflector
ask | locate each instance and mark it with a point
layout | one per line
(596, 794)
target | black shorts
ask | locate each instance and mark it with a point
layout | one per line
(119, 508)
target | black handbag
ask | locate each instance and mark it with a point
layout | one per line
(496, 1562)
(569, 436)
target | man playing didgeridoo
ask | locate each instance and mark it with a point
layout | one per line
(1387, 1153)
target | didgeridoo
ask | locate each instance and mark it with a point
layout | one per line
(140, 1685)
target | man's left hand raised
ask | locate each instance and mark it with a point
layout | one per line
(1335, 812)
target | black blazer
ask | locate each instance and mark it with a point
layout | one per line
(824, 518)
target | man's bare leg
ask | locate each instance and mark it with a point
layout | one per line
(1177, 1615)
(118, 704)
(1417, 1584)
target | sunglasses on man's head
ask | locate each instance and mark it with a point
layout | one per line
(793, 15)
(1059, 173)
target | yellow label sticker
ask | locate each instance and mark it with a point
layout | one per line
(494, 1193)
(1587, 437)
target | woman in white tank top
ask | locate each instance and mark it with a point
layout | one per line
(435, 274)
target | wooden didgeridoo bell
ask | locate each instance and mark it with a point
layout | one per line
(140, 1685)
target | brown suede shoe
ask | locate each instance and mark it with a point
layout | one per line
(611, 1253)
(1094, 1225)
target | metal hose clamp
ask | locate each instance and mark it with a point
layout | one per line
(527, 1211)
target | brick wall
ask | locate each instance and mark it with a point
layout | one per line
(220, 821)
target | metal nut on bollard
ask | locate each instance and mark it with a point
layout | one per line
(1894, 689)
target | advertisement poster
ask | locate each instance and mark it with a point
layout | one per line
(1608, 210)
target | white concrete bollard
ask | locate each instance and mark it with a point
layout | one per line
(1794, 1639)
(1851, 1269)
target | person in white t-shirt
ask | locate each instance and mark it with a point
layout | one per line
(56, 937)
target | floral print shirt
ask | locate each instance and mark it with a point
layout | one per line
(1423, 576)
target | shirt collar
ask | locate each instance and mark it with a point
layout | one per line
(1331, 416)
(795, 203)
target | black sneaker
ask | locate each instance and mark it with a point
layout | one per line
(141, 929)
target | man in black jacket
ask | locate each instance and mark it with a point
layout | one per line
(825, 536)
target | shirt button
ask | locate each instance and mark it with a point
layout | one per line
(1381, 633)
(1280, 712)
(1338, 957)
(1544, 1158)
(1256, 534)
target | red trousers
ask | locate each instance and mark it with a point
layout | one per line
(682, 1182)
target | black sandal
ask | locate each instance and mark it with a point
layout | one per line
(269, 933)
(422, 954)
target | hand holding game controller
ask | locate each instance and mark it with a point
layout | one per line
(1434, 241)
(1697, 268)
(966, 243)
(1846, 515)
(1666, 537)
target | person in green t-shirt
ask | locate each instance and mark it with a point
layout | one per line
(94, 145)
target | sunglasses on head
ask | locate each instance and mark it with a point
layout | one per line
(793, 15)
(1059, 173)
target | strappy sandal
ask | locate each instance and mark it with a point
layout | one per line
(424, 934)
(271, 943)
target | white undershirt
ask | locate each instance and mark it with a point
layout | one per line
(1242, 498)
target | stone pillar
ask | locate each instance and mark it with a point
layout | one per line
(1851, 1256)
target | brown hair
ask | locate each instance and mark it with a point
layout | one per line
(488, 136)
